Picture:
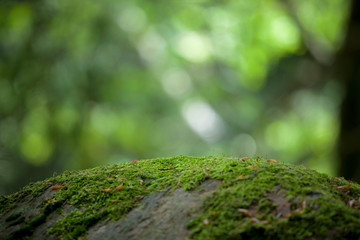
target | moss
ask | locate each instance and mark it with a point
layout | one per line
(33, 189)
(13, 217)
(27, 229)
(257, 199)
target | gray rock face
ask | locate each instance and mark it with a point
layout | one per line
(167, 212)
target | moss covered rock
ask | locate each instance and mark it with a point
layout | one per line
(185, 198)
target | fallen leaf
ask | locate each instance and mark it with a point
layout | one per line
(136, 198)
(245, 158)
(273, 161)
(56, 187)
(251, 166)
(123, 179)
(241, 177)
(106, 190)
(206, 221)
(265, 222)
(213, 212)
(118, 188)
(351, 202)
(254, 220)
(344, 187)
(207, 169)
(244, 211)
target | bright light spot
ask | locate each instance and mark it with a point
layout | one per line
(244, 145)
(284, 135)
(318, 114)
(194, 47)
(285, 33)
(203, 120)
(223, 28)
(176, 83)
(35, 144)
(151, 47)
(132, 19)
(253, 64)
(224, 44)
(37, 148)
(221, 19)
(66, 117)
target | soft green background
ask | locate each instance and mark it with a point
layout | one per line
(85, 83)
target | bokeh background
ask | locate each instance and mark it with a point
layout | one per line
(87, 83)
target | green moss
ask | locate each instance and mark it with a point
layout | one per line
(314, 204)
(28, 228)
(33, 189)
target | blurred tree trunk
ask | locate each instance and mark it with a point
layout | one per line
(348, 64)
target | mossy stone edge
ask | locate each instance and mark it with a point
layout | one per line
(203, 197)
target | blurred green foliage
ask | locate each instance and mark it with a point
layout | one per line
(84, 83)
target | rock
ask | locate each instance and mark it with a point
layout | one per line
(185, 198)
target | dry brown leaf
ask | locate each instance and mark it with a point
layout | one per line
(206, 221)
(118, 188)
(344, 187)
(251, 166)
(244, 211)
(106, 190)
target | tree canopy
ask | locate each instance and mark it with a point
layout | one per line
(84, 83)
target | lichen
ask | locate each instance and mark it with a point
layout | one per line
(257, 198)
